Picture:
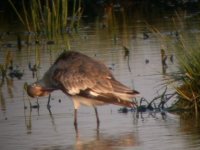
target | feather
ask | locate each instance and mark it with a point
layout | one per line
(78, 74)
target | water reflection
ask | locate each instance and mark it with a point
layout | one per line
(9, 84)
(2, 101)
(28, 113)
(153, 136)
(100, 141)
(190, 128)
(28, 121)
(189, 124)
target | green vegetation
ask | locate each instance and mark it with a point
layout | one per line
(48, 20)
(187, 80)
(5, 66)
(48, 23)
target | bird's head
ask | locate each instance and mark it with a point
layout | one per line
(37, 90)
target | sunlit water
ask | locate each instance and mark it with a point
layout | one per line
(39, 129)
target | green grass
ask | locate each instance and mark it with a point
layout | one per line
(47, 20)
(187, 80)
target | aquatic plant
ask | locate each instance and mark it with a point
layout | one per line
(186, 80)
(6, 65)
(49, 19)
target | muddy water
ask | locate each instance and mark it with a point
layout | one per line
(22, 128)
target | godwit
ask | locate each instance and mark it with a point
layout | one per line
(85, 80)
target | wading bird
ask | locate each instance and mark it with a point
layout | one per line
(85, 80)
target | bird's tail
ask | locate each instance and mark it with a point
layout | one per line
(123, 91)
(117, 94)
(125, 103)
(123, 94)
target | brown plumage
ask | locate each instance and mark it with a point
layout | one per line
(87, 81)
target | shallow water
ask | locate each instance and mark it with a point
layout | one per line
(22, 128)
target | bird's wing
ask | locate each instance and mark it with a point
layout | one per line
(80, 73)
(74, 81)
(116, 89)
(89, 78)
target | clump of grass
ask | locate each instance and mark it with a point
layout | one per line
(48, 19)
(188, 78)
(186, 81)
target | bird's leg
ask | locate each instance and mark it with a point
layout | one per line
(75, 118)
(97, 116)
(48, 103)
(76, 106)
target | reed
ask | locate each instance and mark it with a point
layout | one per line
(48, 20)
(187, 79)
(17, 12)
(4, 67)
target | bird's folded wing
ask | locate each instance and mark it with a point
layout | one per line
(114, 89)
(74, 81)
(85, 76)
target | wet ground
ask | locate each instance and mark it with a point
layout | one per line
(23, 128)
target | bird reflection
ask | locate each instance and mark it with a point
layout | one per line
(100, 141)
(28, 121)
(28, 116)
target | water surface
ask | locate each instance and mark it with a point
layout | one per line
(22, 128)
